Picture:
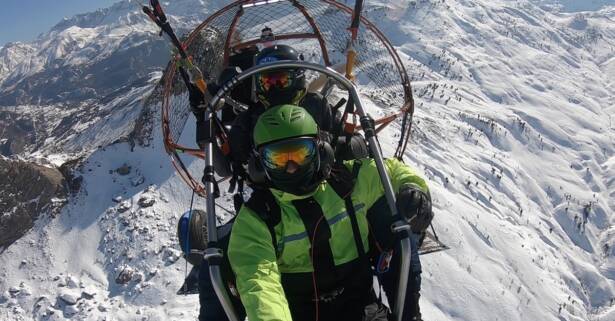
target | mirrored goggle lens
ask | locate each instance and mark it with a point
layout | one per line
(277, 155)
(277, 79)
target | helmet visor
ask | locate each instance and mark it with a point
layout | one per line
(279, 79)
(301, 151)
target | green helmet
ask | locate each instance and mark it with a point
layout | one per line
(281, 122)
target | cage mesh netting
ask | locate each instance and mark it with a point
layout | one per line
(317, 29)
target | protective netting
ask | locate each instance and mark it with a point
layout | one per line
(317, 29)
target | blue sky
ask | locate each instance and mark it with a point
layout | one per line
(24, 20)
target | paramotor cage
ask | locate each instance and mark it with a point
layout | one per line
(318, 29)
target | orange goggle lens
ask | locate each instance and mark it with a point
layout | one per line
(276, 79)
(277, 155)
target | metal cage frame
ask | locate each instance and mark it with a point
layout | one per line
(237, 9)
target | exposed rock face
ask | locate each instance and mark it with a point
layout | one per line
(18, 133)
(71, 175)
(125, 275)
(27, 190)
(144, 125)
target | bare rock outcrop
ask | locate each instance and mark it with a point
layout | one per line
(27, 190)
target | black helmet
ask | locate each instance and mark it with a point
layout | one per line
(276, 53)
(279, 86)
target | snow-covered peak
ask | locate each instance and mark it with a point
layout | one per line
(93, 59)
(11, 55)
(575, 5)
(129, 12)
(89, 41)
(118, 13)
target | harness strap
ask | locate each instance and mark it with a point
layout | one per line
(342, 181)
(319, 234)
(353, 217)
(238, 197)
(355, 228)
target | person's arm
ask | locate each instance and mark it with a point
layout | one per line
(413, 197)
(253, 260)
(399, 173)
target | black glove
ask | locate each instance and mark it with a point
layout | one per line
(414, 205)
(196, 96)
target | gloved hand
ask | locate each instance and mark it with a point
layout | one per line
(414, 205)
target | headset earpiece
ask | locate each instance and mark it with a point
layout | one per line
(327, 158)
(256, 172)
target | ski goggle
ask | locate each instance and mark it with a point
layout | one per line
(301, 151)
(279, 79)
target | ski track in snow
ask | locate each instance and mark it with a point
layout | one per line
(513, 131)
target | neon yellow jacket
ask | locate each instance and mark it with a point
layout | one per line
(257, 267)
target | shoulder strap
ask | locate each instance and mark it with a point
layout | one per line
(319, 235)
(262, 202)
(342, 181)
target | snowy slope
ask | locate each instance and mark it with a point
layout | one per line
(575, 5)
(81, 252)
(513, 130)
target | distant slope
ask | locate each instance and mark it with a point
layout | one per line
(575, 5)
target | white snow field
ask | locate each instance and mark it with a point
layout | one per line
(575, 5)
(514, 129)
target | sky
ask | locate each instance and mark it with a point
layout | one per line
(26, 19)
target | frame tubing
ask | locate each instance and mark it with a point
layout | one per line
(214, 254)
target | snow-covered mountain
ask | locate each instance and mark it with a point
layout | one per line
(574, 5)
(59, 66)
(59, 77)
(513, 129)
(118, 41)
